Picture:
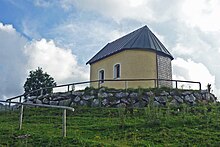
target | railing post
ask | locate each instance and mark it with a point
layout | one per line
(99, 84)
(20, 99)
(200, 86)
(68, 88)
(126, 85)
(64, 122)
(21, 117)
(176, 85)
(9, 104)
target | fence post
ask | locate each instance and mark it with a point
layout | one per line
(126, 85)
(21, 117)
(176, 85)
(64, 122)
(68, 88)
(9, 105)
(20, 99)
(200, 86)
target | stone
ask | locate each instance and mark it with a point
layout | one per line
(162, 100)
(95, 103)
(174, 102)
(110, 95)
(121, 95)
(150, 93)
(190, 98)
(103, 94)
(45, 101)
(38, 101)
(104, 102)
(83, 103)
(178, 99)
(198, 96)
(53, 102)
(164, 93)
(121, 105)
(77, 99)
(31, 98)
(88, 97)
(186, 93)
(156, 103)
(133, 95)
(65, 102)
(78, 93)
(145, 98)
(124, 101)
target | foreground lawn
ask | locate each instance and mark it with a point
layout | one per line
(182, 126)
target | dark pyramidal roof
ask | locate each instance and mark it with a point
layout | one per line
(141, 38)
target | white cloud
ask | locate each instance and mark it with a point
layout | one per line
(19, 56)
(12, 61)
(192, 71)
(59, 62)
(202, 13)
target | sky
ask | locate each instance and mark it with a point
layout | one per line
(62, 35)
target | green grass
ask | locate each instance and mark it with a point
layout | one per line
(151, 126)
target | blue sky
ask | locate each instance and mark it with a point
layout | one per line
(62, 35)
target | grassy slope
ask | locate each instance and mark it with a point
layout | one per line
(114, 127)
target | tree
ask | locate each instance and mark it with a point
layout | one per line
(38, 79)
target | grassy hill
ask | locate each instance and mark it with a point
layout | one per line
(151, 126)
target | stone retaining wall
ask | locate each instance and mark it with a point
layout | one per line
(119, 98)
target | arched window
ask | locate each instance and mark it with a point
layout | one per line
(117, 71)
(101, 76)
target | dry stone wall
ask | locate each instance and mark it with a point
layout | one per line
(119, 98)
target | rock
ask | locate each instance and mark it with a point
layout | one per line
(104, 102)
(150, 93)
(133, 95)
(103, 94)
(53, 102)
(38, 101)
(121, 95)
(156, 103)
(164, 93)
(186, 93)
(45, 101)
(198, 96)
(178, 99)
(78, 93)
(145, 98)
(110, 95)
(190, 98)
(161, 100)
(65, 102)
(88, 97)
(174, 102)
(121, 105)
(83, 103)
(77, 99)
(124, 101)
(95, 103)
(31, 98)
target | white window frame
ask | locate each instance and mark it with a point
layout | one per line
(100, 76)
(115, 72)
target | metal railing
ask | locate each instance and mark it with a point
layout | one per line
(70, 87)
(42, 105)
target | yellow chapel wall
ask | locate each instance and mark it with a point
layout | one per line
(135, 64)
